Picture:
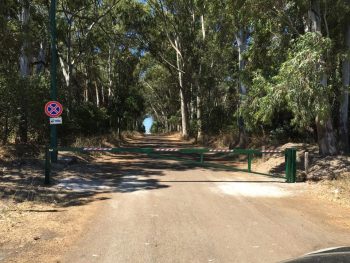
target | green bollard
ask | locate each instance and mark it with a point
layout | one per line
(202, 158)
(291, 165)
(293, 170)
(286, 157)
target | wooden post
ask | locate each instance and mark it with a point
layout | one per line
(306, 162)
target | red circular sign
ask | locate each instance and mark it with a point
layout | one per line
(53, 109)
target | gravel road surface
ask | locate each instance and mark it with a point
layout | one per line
(164, 211)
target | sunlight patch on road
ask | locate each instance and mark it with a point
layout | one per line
(253, 190)
(82, 185)
(128, 184)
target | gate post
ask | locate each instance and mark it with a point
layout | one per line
(291, 165)
(249, 162)
(47, 166)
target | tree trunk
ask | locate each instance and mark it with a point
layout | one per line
(24, 73)
(110, 76)
(242, 39)
(184, 114)
(199, 118)
(86, 86)
(70, 65)
(41, 59)
(86, 93)
(192, 104)
(325, 132)
(199, 91)
(103, 95)
(97, 95)
(183, 95)
(67, 68)
(167, 129)
(119, 130)
(6, 128)
(326, 138)
(344, 104)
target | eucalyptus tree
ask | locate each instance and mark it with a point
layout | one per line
(24, 69)
(301, 84)
(9, 54)
(79, 20)
(160, 93)
(172, 44)
(324, 123)
(344, 21)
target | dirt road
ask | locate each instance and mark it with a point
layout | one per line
(162, 211)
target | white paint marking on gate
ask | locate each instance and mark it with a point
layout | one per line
(96, 149)
(221, 150)
(166, 149)
(271, 151)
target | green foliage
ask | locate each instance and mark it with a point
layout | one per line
(301, 78)
(297, 87)
(155, 127)
(88, 119)
(97, 84)
(121, 60)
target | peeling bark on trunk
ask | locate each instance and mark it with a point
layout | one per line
(344, 106)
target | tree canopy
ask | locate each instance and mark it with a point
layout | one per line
(273, 69)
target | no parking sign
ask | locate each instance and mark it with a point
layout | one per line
(54, 109)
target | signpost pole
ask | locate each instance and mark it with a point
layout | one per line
(53, 87)
(47, 166)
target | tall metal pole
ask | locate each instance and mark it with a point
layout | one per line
(53, 87)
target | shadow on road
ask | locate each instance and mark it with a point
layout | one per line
(85, 182)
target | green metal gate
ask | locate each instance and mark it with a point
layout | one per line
(199, 155)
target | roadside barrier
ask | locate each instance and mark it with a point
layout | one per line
(163, 153)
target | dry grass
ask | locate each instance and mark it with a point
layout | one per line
(108, 140)
(222, 140)
(337, 190)
(329, 167)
